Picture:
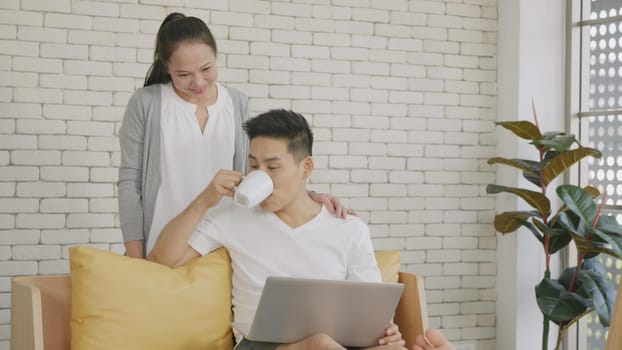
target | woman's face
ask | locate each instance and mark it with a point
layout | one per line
(192, 68)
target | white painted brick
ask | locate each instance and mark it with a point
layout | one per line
(437, 46)
(40, 189)
(411, 97)
(8, 31)
(329, 93)
(122, 98)
(293, 10)
(289, 64)
(110, 24)
(39, 34)
(330, 176)
(17, 268)
(390, 109)
(369, 41)
(64, 236)
(261, 105)
(142, 11)
(425, 270)
(36, 252)
(38, 95)
(368, 176)
(95, 8)
(63, 81)
(439, 98)
(134, 70)
(104, 205)
(403, 44)
(349, 53)
(460, 321)
(463, 10)
(331, 121)
(331, 39)
(351, 80)
(7, 189)
(69, 174)
(487, 242)
(487, 268)
(368, 203)
(392, 30)
(350, 134)
(290, 92)
(405, 203)
(369, 95)
(81, 190)
(440, 177)
(64, 51)
(6, 94)
(88, 37)
(47, 6)
(308, 106)
(18, 205)
(389, 163)
(366, 148)
(422, 164)
(103, 143)
(371, 68)
(39, 221)
(12, 142)
(315, 25)
(462, 190)
(7, 221)
(458, 295)
(389, 136)
(406, 177)
(349, 190)
(444, 282)
(106, 235)
(32, 126)
(330, 148)
(90, 158)
(444, 73)
(68, 21)
(88, 128)
(370, 122)
(330, 66)
(426, 7)
(354, 27)
(388, 217)
(389, 190)
(19, 173)
(54, 267)
(333, 12)
(212, 5)
(425, 216)
(397, 5)
(425, 85)
(110, 84)
(90, 220)
(114, 54)
(19, 237)
(35, 157)
(4, 158)
(370, 15)
(351, 108)
(412, 123)
(63, 142)
(87, 68)
(318, 81)
(253, 6)
(64, 205)
(394, 243)
(21, 17)
(478, 307)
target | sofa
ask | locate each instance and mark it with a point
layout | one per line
(42, 310)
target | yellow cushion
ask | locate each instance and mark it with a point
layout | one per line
(389, 265)
(125, 303)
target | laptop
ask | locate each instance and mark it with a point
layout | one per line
(353, 313)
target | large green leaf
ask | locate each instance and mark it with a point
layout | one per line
(565, 160)
(558, 237)
(579, 202)
(523, 129)
(507, 222)
(522, 164)
(558, 141)
(532, 229)
(602, 291)
(557, 304)
(613, 243)
(536, 199)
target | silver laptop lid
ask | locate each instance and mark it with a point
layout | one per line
(353, 313)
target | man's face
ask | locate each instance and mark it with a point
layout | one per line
(270, 155)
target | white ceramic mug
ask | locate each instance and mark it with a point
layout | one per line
(254, 188)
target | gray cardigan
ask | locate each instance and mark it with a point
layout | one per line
(139, 173)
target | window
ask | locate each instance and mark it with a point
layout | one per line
(595, 105)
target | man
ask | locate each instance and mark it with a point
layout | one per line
(288, 235)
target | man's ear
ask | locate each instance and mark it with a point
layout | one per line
(308, 165)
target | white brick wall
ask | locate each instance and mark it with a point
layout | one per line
(401, 94)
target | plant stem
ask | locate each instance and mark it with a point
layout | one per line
(545, 321)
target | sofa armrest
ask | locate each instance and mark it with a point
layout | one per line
(40, 313)
(411, 314)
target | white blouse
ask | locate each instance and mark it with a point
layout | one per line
(190, 158)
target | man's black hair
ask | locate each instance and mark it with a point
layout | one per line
(283, 124)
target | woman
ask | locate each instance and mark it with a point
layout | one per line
(177, 132)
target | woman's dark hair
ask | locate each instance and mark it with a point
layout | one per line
(283, 124)
(175, 29)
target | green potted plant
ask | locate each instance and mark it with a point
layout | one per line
(579, 289)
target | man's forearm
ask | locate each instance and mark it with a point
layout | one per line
(172, 244)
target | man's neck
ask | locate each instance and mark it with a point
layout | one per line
(299, 211)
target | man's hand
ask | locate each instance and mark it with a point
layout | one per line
(392, 336)
(435, 340)
(332, 204)
(223, 184)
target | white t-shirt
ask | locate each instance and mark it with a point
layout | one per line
(189, 159)
(261, 244)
